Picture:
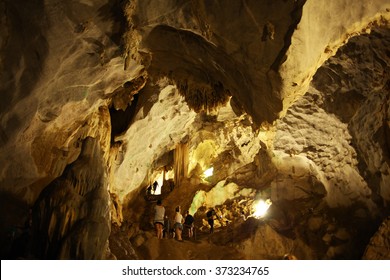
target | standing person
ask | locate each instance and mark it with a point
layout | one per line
(210, 219)
(189, 224)
(178, 224)
(159, 213)
(155, 185)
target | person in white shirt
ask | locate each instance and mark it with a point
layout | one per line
(159, 213)
(178, 224)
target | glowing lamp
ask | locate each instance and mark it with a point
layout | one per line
(261, 208)
(208, 172)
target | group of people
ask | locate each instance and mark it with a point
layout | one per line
(151, 189)
(162, 223)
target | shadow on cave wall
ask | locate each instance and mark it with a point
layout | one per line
(14, 228)
(115, 10)
(26, 48)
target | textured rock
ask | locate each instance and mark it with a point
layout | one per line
(324, 27)
(355, 88)
(318, 144)
(55, 77)
(120, 246)
(315, 223)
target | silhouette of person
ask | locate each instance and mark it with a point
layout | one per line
(210, 219)
(189, 224)
(155, 185)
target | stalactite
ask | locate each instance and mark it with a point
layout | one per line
(180, 162)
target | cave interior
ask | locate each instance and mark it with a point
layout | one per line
(229, 105)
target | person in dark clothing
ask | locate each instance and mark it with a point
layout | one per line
(210, 219)
(155, 185)
(149, 190)
(189, 224)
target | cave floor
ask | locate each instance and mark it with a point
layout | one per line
(200, 248)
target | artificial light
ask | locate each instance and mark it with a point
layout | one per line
(261, 208)
(209, 172)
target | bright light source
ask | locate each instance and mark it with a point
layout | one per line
(208, 172)
(261, 208)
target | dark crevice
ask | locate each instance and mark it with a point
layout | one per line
(120, 120)
(115, 10)
(25, 21)
(383, 134)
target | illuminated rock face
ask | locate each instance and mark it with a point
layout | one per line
(106, 100)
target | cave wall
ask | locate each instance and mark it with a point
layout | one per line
(325, 145)
(355, 88)
(56, 74)
(324, 27)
